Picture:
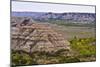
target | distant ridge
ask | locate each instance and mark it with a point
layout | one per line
(77, 17)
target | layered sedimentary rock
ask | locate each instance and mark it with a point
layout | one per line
(36, 37)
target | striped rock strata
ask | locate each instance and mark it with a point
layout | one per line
(37, 37)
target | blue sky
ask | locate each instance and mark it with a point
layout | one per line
(47, 7)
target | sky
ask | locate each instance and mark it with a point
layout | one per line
(48, 7)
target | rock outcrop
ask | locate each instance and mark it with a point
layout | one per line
(36, 37)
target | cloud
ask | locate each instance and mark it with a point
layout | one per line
(48, 7)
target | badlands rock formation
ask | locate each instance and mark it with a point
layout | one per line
(30, 36)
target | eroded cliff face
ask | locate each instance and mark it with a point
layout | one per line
(29, 36)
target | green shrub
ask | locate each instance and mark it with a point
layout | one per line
(83, 46)
(20, 59)
(69, 60)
